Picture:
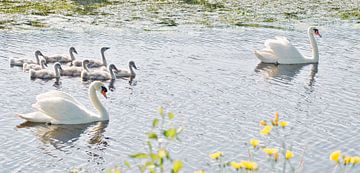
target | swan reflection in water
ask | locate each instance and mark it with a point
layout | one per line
(285, 72)
(62, 137)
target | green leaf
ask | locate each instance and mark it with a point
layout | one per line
(139, 156)
(171, 115)
(154, 157)
(152, 135)
(177, 166)
(170, 133)
(150, 165)
(155, 123)
(127, 164)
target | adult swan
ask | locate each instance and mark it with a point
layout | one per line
(280, 51)
(57, 107)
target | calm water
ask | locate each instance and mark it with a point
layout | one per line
(208, 77)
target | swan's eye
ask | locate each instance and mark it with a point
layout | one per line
(103, 91)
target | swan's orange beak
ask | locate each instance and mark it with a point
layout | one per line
(103, 91)
(318, 33)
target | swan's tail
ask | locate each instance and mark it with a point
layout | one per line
(35, 117)
(32, 73)
(258, 55)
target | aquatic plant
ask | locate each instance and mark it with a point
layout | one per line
(157, 158)
(53, 7)
(344, 162)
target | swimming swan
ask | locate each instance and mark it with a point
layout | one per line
(62, 58)
(27, 67)
(57, 107)
(46, 73)
(20, 62)
(74, 71)
(94, 63)
(126, 73)
(280, 50)
(100, 74)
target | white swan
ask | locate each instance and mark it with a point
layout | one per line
(127, 73)
(57, 107)
(62, 58)
(94, 63)
(280, 51)
(27, 67)
(100, 74)
(46, 73)
(20, 62)
(74, 71)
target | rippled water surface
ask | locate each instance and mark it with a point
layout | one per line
(208, 76)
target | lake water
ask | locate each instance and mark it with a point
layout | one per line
(209, 77)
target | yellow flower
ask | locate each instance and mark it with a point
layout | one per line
(335, 155)
(201, 171)
(249, 165)
(275, 122)
(162, 153)
(216, 155)
(117, 171)
(289, 154)
(270, 151)
(266, 130)
(355, 160)
(347, 160)
(236, 165)
(254, 142)
(276, 156)
(283, 123)
(263, 123)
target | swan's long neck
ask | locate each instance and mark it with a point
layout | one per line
(112, 73)
(72, 55)
(37, 58)
(315, 50)
(103, 58)
(84, 65)
(132, 72)
(57, 71)
(104, 115)
(43, 65)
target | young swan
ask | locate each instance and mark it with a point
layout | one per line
(94, 63)
(74, 71)
(27, 67)
(46, 73)
(62, 58)
(20, 62)
(99, 74)
(127, 73)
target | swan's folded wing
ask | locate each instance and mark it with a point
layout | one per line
(282, 39)
(57, 94)
(266, 56)
(61, 109)
(282, 48)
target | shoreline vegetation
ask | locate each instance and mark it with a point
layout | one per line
(150, 13)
